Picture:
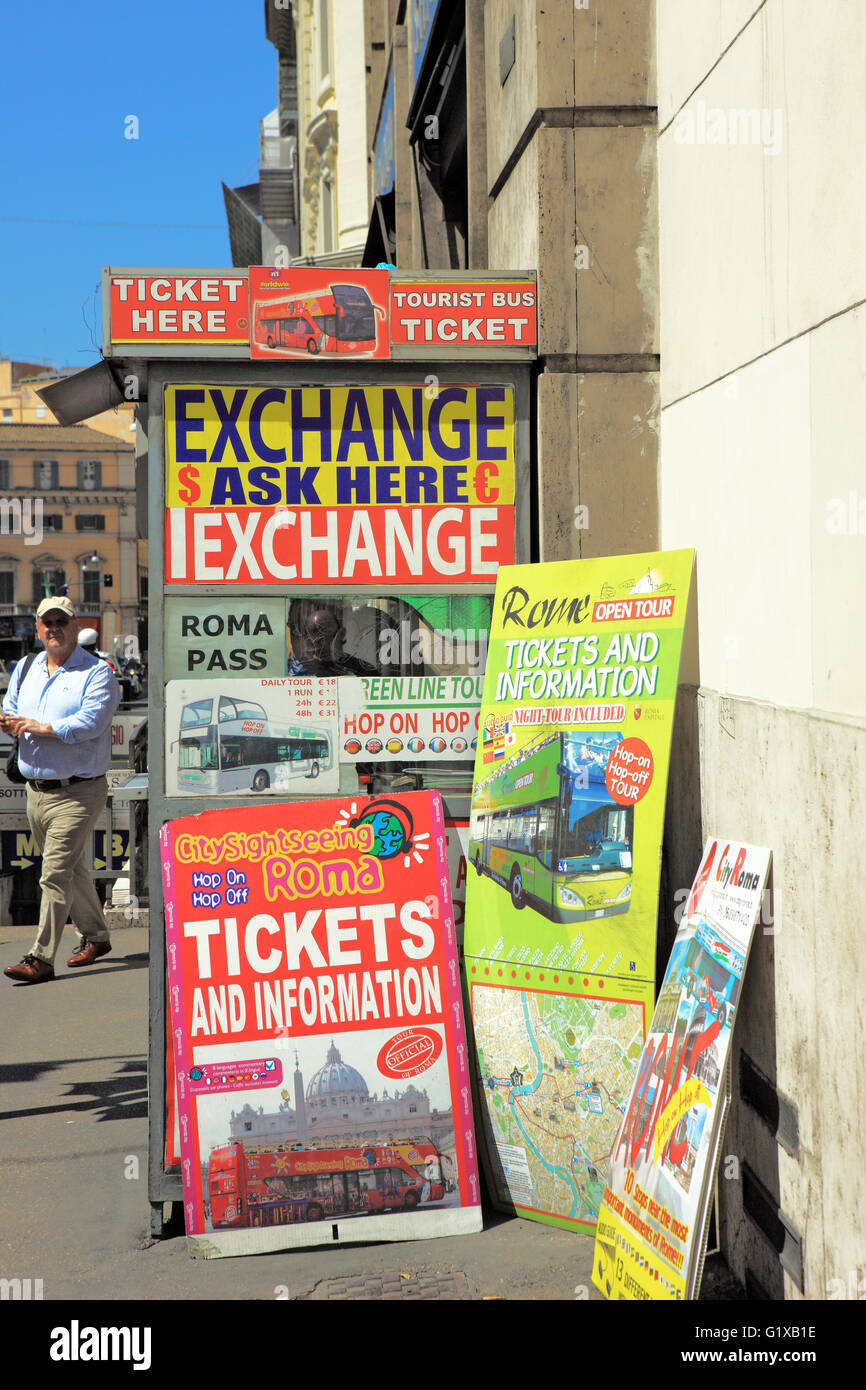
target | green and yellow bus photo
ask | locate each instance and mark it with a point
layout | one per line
(545, 828)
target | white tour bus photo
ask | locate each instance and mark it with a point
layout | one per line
(227, 744)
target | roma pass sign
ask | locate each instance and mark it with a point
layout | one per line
(565, 832)
(652, 1225)
(312, 959)
(338, 485)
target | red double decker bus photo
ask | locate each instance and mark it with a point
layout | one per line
(276, 1187)
(341, 320)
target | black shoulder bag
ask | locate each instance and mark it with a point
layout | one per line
(13, 771)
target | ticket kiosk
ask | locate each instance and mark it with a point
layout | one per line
(337, 464)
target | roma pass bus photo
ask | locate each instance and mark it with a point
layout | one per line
(226, 745)
(545, 827)
(256, 1186)
(342, 321)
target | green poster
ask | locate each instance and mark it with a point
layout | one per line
(564, 851)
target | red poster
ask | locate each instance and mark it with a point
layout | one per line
(452, 314)
(317, 1028)
(338, 545)
(318, 312)
(188, 307)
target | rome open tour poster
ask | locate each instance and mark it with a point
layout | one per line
(322, 1067)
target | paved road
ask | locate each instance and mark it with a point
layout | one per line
(73, 1158)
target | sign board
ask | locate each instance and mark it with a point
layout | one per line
(19, 850)
(187, 308)
(320, 314)
(230, 737)
(209, 637)
(124, 728)
(450, 314)
(652, 1223)
(429, 718)
(338, 485)
(564, 851)
(322, 1068)
(298, 312)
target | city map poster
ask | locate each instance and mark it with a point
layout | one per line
(567, 815)
(323, 1075)
(651, 1232)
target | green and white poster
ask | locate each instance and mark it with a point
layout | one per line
(564, 851)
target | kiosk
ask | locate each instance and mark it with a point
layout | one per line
(337, 462)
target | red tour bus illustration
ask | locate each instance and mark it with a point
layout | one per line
(343, 320)
(276, 1187)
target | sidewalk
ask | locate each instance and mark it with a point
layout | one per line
(73, 1159)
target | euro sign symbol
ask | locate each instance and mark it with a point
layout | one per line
(482, 473)
(189, 491)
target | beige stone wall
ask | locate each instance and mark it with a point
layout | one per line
(763, 338)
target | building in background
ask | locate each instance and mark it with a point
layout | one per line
(678, 168)
(263, 217)
(310, 205)
(522, 136)
(20, 403)
(763, 384)
(68, 525)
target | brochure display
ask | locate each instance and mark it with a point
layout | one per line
(564, 850)
(317, 1029)
(651, 1229)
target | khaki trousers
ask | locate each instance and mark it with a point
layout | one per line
(62, 822)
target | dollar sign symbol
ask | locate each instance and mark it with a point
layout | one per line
(482, 473)
(190, 490)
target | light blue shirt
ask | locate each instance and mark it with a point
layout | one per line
(78, 702)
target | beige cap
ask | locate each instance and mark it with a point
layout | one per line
(60, 604)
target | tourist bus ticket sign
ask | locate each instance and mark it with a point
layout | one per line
(651, 1231)
(566, 825)
(323, 1075)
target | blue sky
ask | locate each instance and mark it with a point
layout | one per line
(77, 194)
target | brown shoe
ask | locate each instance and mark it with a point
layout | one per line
(30, 971)
(88, 952)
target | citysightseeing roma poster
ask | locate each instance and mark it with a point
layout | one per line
(651, 1230)
(323, 1075)
(563, 865)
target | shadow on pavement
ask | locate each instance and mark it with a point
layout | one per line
(120, 1097)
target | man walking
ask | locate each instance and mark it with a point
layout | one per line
(60, 712)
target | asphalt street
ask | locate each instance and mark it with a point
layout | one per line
(73, 1159)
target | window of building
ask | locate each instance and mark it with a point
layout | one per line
(7, 586)
(89, 521)
(48, 582)
(52, 521)
(327, 215)
(89, 474)
(45, 473)
(324, 39)
(91, 586)
(5, 473)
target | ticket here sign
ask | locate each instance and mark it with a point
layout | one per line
(338, 484)
(263, 312)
